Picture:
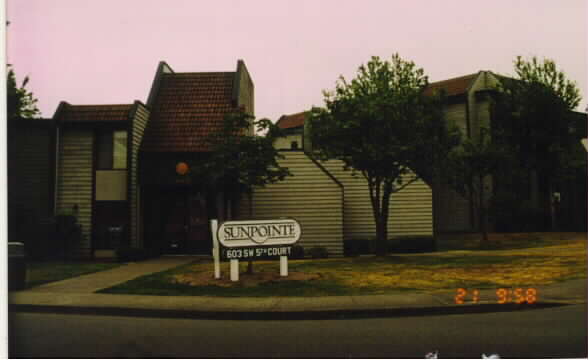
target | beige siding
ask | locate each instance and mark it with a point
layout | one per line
(411, 211)
(456, 115)
(310, 196)
(480, 110)
(74, 185)
(453, 212)
(285, 142)
(138, 128)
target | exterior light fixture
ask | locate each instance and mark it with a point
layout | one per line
(182, 168)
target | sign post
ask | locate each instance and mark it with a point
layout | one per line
(283, 266)
(255, 239)
(215, 248)
(234, 264)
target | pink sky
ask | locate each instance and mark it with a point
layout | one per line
(107, 51)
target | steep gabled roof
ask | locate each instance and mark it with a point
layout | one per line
(452, 87)
(291, 121)
(92, 113)
(186, 109)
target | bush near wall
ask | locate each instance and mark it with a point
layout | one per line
(318, 252)
(404, 244)
(356, 247)
(297, 252)
(412, 244)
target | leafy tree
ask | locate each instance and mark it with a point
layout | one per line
(242, 160)
(20, 102)
(534, 112)
(380, 125)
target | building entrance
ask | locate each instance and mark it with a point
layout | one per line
(187, 227)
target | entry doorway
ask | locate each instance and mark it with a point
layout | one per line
(186, 227)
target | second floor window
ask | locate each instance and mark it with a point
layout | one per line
(112, 150)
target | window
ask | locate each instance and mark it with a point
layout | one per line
(112, 150)
(119, 153)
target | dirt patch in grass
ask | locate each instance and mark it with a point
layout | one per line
(206, 278)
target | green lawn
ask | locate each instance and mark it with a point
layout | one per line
(512, 260)
(48, 271)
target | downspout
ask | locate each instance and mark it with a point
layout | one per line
(130, 133)
(56, 174)
(56, 163)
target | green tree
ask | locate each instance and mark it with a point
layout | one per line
(534, 112)
(380, 124)
(20, 102)
(243, 159)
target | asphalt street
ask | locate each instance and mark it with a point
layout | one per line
(547, 333)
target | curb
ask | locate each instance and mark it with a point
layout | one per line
(281, 315)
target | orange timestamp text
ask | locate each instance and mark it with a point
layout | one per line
(503, 296)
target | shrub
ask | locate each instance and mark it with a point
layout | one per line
(512, 215)
(297, 252)
(356, 247)
(352, 247)
(318, 252)
(68, 234)
(412, 244)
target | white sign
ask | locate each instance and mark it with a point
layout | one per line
(248, 233)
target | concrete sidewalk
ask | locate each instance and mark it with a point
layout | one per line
(77, 296)
(90, 283)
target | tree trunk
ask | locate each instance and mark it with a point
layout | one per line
(382, 249)
(482, 212)
(380, 237)
(250, 197)
(552, 207)
(380, 200)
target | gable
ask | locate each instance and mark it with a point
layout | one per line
(187, 108)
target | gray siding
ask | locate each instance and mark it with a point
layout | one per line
(74, 185)
(456, 115)
(138, 128)
(29, 172)
(310, 196)
(453, 210)
(411, 211)
(245, 90)
(30, 180)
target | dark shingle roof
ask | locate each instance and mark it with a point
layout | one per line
(291, 121)
(187, 108)
(455, 86)
(94, 113)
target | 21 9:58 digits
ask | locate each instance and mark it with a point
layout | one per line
(503, 296)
